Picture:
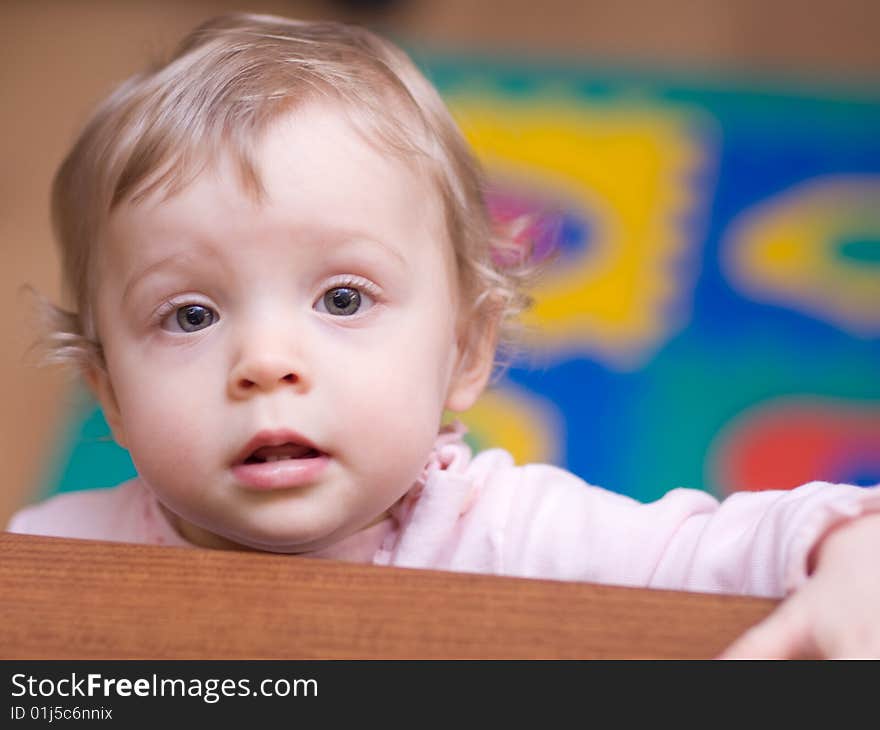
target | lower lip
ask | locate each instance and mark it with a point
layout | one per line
(283, 474)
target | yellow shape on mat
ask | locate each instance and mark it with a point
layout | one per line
(629, 168)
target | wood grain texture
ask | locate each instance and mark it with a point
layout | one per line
(81, 599)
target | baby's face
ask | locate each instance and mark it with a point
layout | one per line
(278, 370)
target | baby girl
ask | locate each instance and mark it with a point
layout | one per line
(282, 274)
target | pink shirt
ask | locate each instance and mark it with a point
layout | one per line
(486, 515)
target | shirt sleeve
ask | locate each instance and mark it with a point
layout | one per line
(755, 543)
(125, 513)
(85, 514)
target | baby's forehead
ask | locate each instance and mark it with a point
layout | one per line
(313, 170)
(353, 143)
(265, 153)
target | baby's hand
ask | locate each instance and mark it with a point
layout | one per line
(836, 614)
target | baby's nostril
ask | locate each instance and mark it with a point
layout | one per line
(289, 378)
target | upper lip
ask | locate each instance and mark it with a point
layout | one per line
(273, 437)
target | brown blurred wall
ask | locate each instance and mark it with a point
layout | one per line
(58, 58)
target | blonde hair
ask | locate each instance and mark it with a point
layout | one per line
(225, 83)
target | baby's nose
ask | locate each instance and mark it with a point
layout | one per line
(264, 373)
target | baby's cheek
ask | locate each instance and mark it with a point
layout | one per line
(405, 406)
(162, 435)
(399, 430)
(166, 445)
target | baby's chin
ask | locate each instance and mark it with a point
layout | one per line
(279, 546)
(280, 541)
(266, 538)
(282, 544)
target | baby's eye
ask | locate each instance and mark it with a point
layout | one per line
(343, 301)
(194, 317)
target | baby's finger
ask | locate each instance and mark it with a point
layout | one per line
(782, 635)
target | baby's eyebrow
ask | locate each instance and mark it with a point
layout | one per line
(357, 240)
(177, 259)
(174, 259)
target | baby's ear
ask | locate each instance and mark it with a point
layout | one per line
(475, 361)
(99, 383)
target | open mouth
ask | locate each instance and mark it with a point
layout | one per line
(280, 459)
(281, 453)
